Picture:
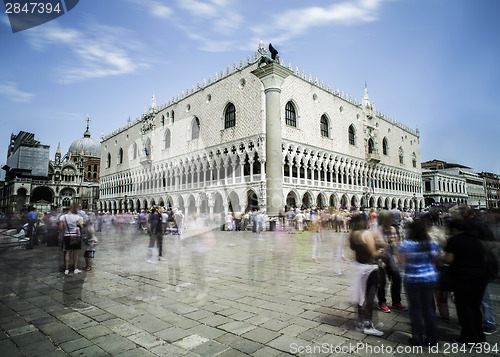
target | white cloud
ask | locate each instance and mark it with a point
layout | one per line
(11, 91)
(199, 8)
(296, 22)
(155, 8)
(99, 52)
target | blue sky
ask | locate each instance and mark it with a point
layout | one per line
(431, 64)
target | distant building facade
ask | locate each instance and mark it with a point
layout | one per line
(33, 180)
(448, 184)
(207, 150)
(492, 188)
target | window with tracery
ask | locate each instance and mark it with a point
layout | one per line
(195, 130)
(230, 116)
(352, 135)
(324, 126)
(290, 115)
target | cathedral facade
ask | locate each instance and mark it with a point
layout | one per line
(34, 180)
(210, 149)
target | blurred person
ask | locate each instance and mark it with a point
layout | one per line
(53, 229)
(173, 253)
(237, 221)
(179, 221)
(229, 221)
(300, 218)
(388, 238)
(485, 233)
(373, 221)
(141, 219)
(466, 256)
(315, 227)
(155, 230)
(418, 256)
(260, 221)
(290, 215)
(365, 279)
(90, 243)
(32, 219)
(70, 226)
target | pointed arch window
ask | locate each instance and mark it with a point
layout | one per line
(401, 157)
(120, 156)
(167, 139)
(325, 130)
(414, 159)
(352, 135)
(195, 129)
(371, 146)
(108, 161)
(229, 116)
(385, 146)
(290, 115)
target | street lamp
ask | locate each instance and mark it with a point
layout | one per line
(126, 204)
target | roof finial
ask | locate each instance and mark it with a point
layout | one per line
(87, 132)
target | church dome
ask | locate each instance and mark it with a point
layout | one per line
(89, 146)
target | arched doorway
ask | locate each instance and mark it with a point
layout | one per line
(233, 202)
(307, 200)
(218, 204)
(333, 201)
(291, 201)
(191, 205)
(320, 201)
(354, 201)
(343, 201)
(252, 201)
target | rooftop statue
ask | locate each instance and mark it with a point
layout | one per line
(264, 57)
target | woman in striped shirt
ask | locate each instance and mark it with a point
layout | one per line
(418, 254)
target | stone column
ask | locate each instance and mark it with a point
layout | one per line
(272, 76)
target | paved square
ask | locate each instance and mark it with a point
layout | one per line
(239, 293)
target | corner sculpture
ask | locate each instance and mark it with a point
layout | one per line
(264, 57)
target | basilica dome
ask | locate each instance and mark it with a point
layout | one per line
(89, 146)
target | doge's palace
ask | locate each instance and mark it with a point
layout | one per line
(261, 135)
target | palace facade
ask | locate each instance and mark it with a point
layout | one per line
(261, 136)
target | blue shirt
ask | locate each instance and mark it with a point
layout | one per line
(419, 256)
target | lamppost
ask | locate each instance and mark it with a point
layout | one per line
(126, 204)
(415, 203)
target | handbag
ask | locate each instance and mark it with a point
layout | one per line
(74, 238)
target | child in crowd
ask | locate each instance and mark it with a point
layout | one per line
(91, 242)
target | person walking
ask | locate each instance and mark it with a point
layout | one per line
(71, 224)
(91, 243)
(388, 238)
(466, 256)
(365, 279)
(155, 230)
(418, 255)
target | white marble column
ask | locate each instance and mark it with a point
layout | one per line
(272, 76)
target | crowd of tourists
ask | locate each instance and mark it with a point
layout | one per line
(463, 264)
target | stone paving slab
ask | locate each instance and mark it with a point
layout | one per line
(236, 297)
